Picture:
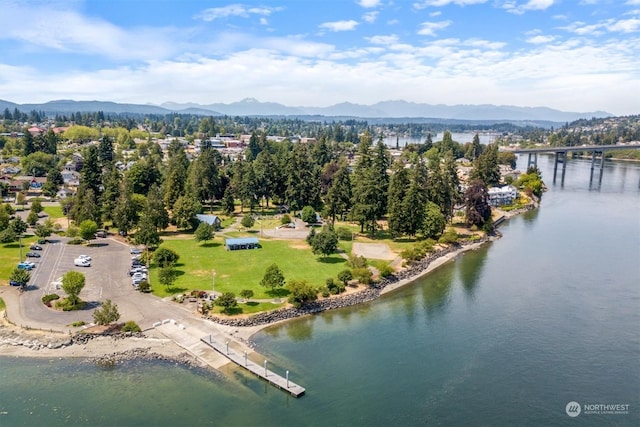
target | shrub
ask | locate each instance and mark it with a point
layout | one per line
(449, 237)
(130, 326)
(357, 261)
(246, 294)
(344, 233)
(385, 270)
(364, 275)
(324, 291)
(78, 323)
(48, 298)
(286, 219)
(144, 286)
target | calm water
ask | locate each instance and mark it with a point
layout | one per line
(462, 138)
(505, 335)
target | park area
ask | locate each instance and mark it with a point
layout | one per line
(244, 269)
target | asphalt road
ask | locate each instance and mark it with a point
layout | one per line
(107, 278)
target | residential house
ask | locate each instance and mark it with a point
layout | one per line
(211, 220)
(499, 196)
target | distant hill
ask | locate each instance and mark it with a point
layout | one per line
(398, 109)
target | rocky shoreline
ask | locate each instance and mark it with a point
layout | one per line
(370, 293)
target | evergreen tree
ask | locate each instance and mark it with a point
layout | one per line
(91, 174)
(155, 211)
(125, 215)
(398, 185)
(486, 167)
(303, 179)
(28, 144)
(228, 205)
(105, 150)
(338, 199)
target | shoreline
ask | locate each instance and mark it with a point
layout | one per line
(151, 345)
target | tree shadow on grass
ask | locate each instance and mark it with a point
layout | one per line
(179, 273)
(12, 245)
(332, 260)
(210, 245)
(251, 303)
(175, 290)
(232, 311)
(278, 293)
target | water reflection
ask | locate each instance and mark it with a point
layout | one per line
(300, 330)
(470, 268)
(435, 291)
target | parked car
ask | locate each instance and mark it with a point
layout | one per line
(135, 251)
(79, 262)
(137, 270)
(101, 233)
(87, 257)
(42, 241)
(35, 247)
(25, 266)
(33, 255)
(14, 283)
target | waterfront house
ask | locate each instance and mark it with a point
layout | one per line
(499, 196)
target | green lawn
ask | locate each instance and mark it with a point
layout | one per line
(243, 269)
(10, 256)
(54, 212)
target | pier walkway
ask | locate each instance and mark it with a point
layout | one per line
(261, 371)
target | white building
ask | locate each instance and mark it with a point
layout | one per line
(499, 196)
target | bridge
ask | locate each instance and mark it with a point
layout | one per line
(597, 155)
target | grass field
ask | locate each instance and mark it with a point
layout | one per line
(10, 256)
(54, 212)
(243, 269)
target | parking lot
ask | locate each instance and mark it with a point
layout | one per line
(107, 277)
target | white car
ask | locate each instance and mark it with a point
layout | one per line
(87, 257)
(80, 262)
(135, 251)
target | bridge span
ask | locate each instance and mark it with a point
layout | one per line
(597, 155)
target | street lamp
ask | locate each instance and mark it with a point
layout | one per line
(213, 286)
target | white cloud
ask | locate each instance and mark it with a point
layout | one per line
(434, 14)
(62, 29)
(369, 3)
(519, 9)
(383, 40)
(240, 10)
(630, 25)
(625, 25)
(439, 3)
(336, 26)
(633, 3)
(571, 75)
(430, 28)
(370, 17)
(540, 39)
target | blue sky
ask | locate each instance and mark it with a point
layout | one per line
(573, 55)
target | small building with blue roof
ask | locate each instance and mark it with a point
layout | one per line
(241, 243)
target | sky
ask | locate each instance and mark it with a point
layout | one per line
(572, 55)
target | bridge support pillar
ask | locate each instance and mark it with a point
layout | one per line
(532, 160)
(594, 156)
(560, 157)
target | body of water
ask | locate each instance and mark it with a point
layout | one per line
(505, 335)
(485, 138)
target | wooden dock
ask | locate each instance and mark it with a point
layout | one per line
(261, 371)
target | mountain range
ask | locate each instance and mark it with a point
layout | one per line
(386, 109)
